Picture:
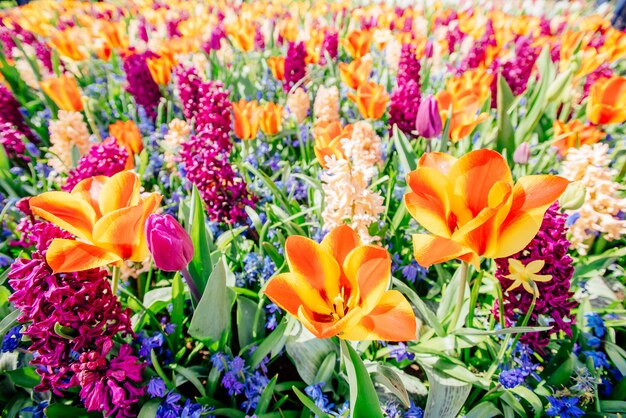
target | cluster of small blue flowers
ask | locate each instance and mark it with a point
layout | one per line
(11, 339)
(399, 352)
(271, 311)
(393, 409)
(512, 377)
(37, 411)
(155, 342)
(256, 270)
(240, 379)
(170, 406)
(320, 399)
(564, 408)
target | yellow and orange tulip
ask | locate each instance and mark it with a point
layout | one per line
(472, 208)
(357, 43)
(355, 73)
(64, 92)
(607, 101)
(242, 34)
(328, 138)
(66, 46)
(161, 68)
(339, 287)
(271, 118)
(247, 119)
(107, 216)
(277, 66)
(574, 134)
(371, 99)
(127, 134)
(464, 117)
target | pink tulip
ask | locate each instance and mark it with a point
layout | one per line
(168, 242)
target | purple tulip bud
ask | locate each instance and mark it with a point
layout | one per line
(168, 242)
(522, 153)
(428, 49)
(428, 123)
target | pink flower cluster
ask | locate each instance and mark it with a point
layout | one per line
(295, 65)
(13, 127)
(405, 98)
(140, 83)
(104, 159)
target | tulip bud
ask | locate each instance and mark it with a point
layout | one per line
(573, 197)
(522, 153)
(428, 122)
(168, 242)
(428, 49)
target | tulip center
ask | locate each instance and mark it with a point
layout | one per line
(339, 305)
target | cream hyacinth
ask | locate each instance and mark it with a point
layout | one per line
(67, 132)
(589, 164)
(345, 183)
(299, 103)
(326, 105)
(178, 132)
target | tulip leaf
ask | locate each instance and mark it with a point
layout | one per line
(389, 378)
(484, 410)
(308, 402)
(200, 265)
(178, 306)
(425, 313)
(212, 315)
(446, 395)
(617, 356)
(149, 409)
(247, 327)
(157, 299)
(506, 134)
(307, 352)
(406, 154)
(271, 345)
(363, 398)
(266, 397)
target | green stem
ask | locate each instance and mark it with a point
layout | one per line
(116, 279)
(525, 320)
(460, 297)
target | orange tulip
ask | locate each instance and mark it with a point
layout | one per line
(357, 43)
(127, 135)
(371, 99)
(161, 68)
(107, 215)
(357, 72)
(328, 138)
(64, 92)
(464, 116)
(574, 134)
(64, 44)
(271, 118)
(476, 81)
(607, 101)
(114, 34)
(288, 29)
(339, 287)
(472, 207)
(247, 117)
(242, 34)
(277, 66)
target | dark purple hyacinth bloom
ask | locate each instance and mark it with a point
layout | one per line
(13, 142)
(330, 46)
(555, 298)
(188, 84)
(169, 243)
(140, 84)
(104, 159)
(295, 65)
(405, 98)
(11, 115)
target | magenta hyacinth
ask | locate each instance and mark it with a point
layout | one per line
(405, 98)
(188, 84)
(330, 46)
(11, 114)
(140, 84)
(104, 159)
(295, 65)
(213, 115)
(13, 142)
(169, 243)
(478, 52)
(555, 302)
(80, 305)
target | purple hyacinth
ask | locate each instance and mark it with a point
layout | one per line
(104, 159)
(66, 313)
(295, 65)
(13, 142)
(603, 71)
(550, 245)
(140, 84)
(478, 53)
(213, 115)
(188, 84)
(11, 114)
(330, 46)
(405, 98)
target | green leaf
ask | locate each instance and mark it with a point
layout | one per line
(25, 377)
(512, 402)
(191, 376)
(613, 406)
(212, 315)
(200, 265)
(446, 395)
(563, 372)
(530, 397)
(157, 299)
(178, 306)
(266, 397)
(512, 330)
(484, 410)
(149, 409)
(363, 398)
(327, 368)
(306, 401)
(426, 314)
(308, 352)
(8, 322)
(506, 135)
(617, 356)
(390, 379)
(57, 410)
(246, 326)
(406, 154)
(271, 345)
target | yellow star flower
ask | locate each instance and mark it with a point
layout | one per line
(526, 275)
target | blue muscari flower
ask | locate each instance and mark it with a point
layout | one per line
(512, 378)
(564, 408)
(571, 219)
(392, 409)
(400, 353)
(237, 365)
(596, 323)
(169, 408)
(5, 260)
(414, 412)
(38, 410)
(156, 343)
(12, 339)
(191, 410)
(231, 382)
(317, 395)
(156, 388)
(592, 341)
(599, 359)
(219, 361)
(271, 310)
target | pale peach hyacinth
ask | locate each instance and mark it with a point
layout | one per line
(178, 132)
(299, 103)
(67, 132)
(589, 164)
(326, 105)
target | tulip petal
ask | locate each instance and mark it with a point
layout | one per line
(121, 191)
(431, 249)
(370, 267)
(391, 320)
(120, 231)
(291, 290)
(66, 211)
(340, 241)
(307, 258)
(150, 205)
(89, 190)
(67, 255)
(428, 202)
(323, 327)
(532, 195)
(437, 160)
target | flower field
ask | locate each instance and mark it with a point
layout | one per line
(299, 209)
